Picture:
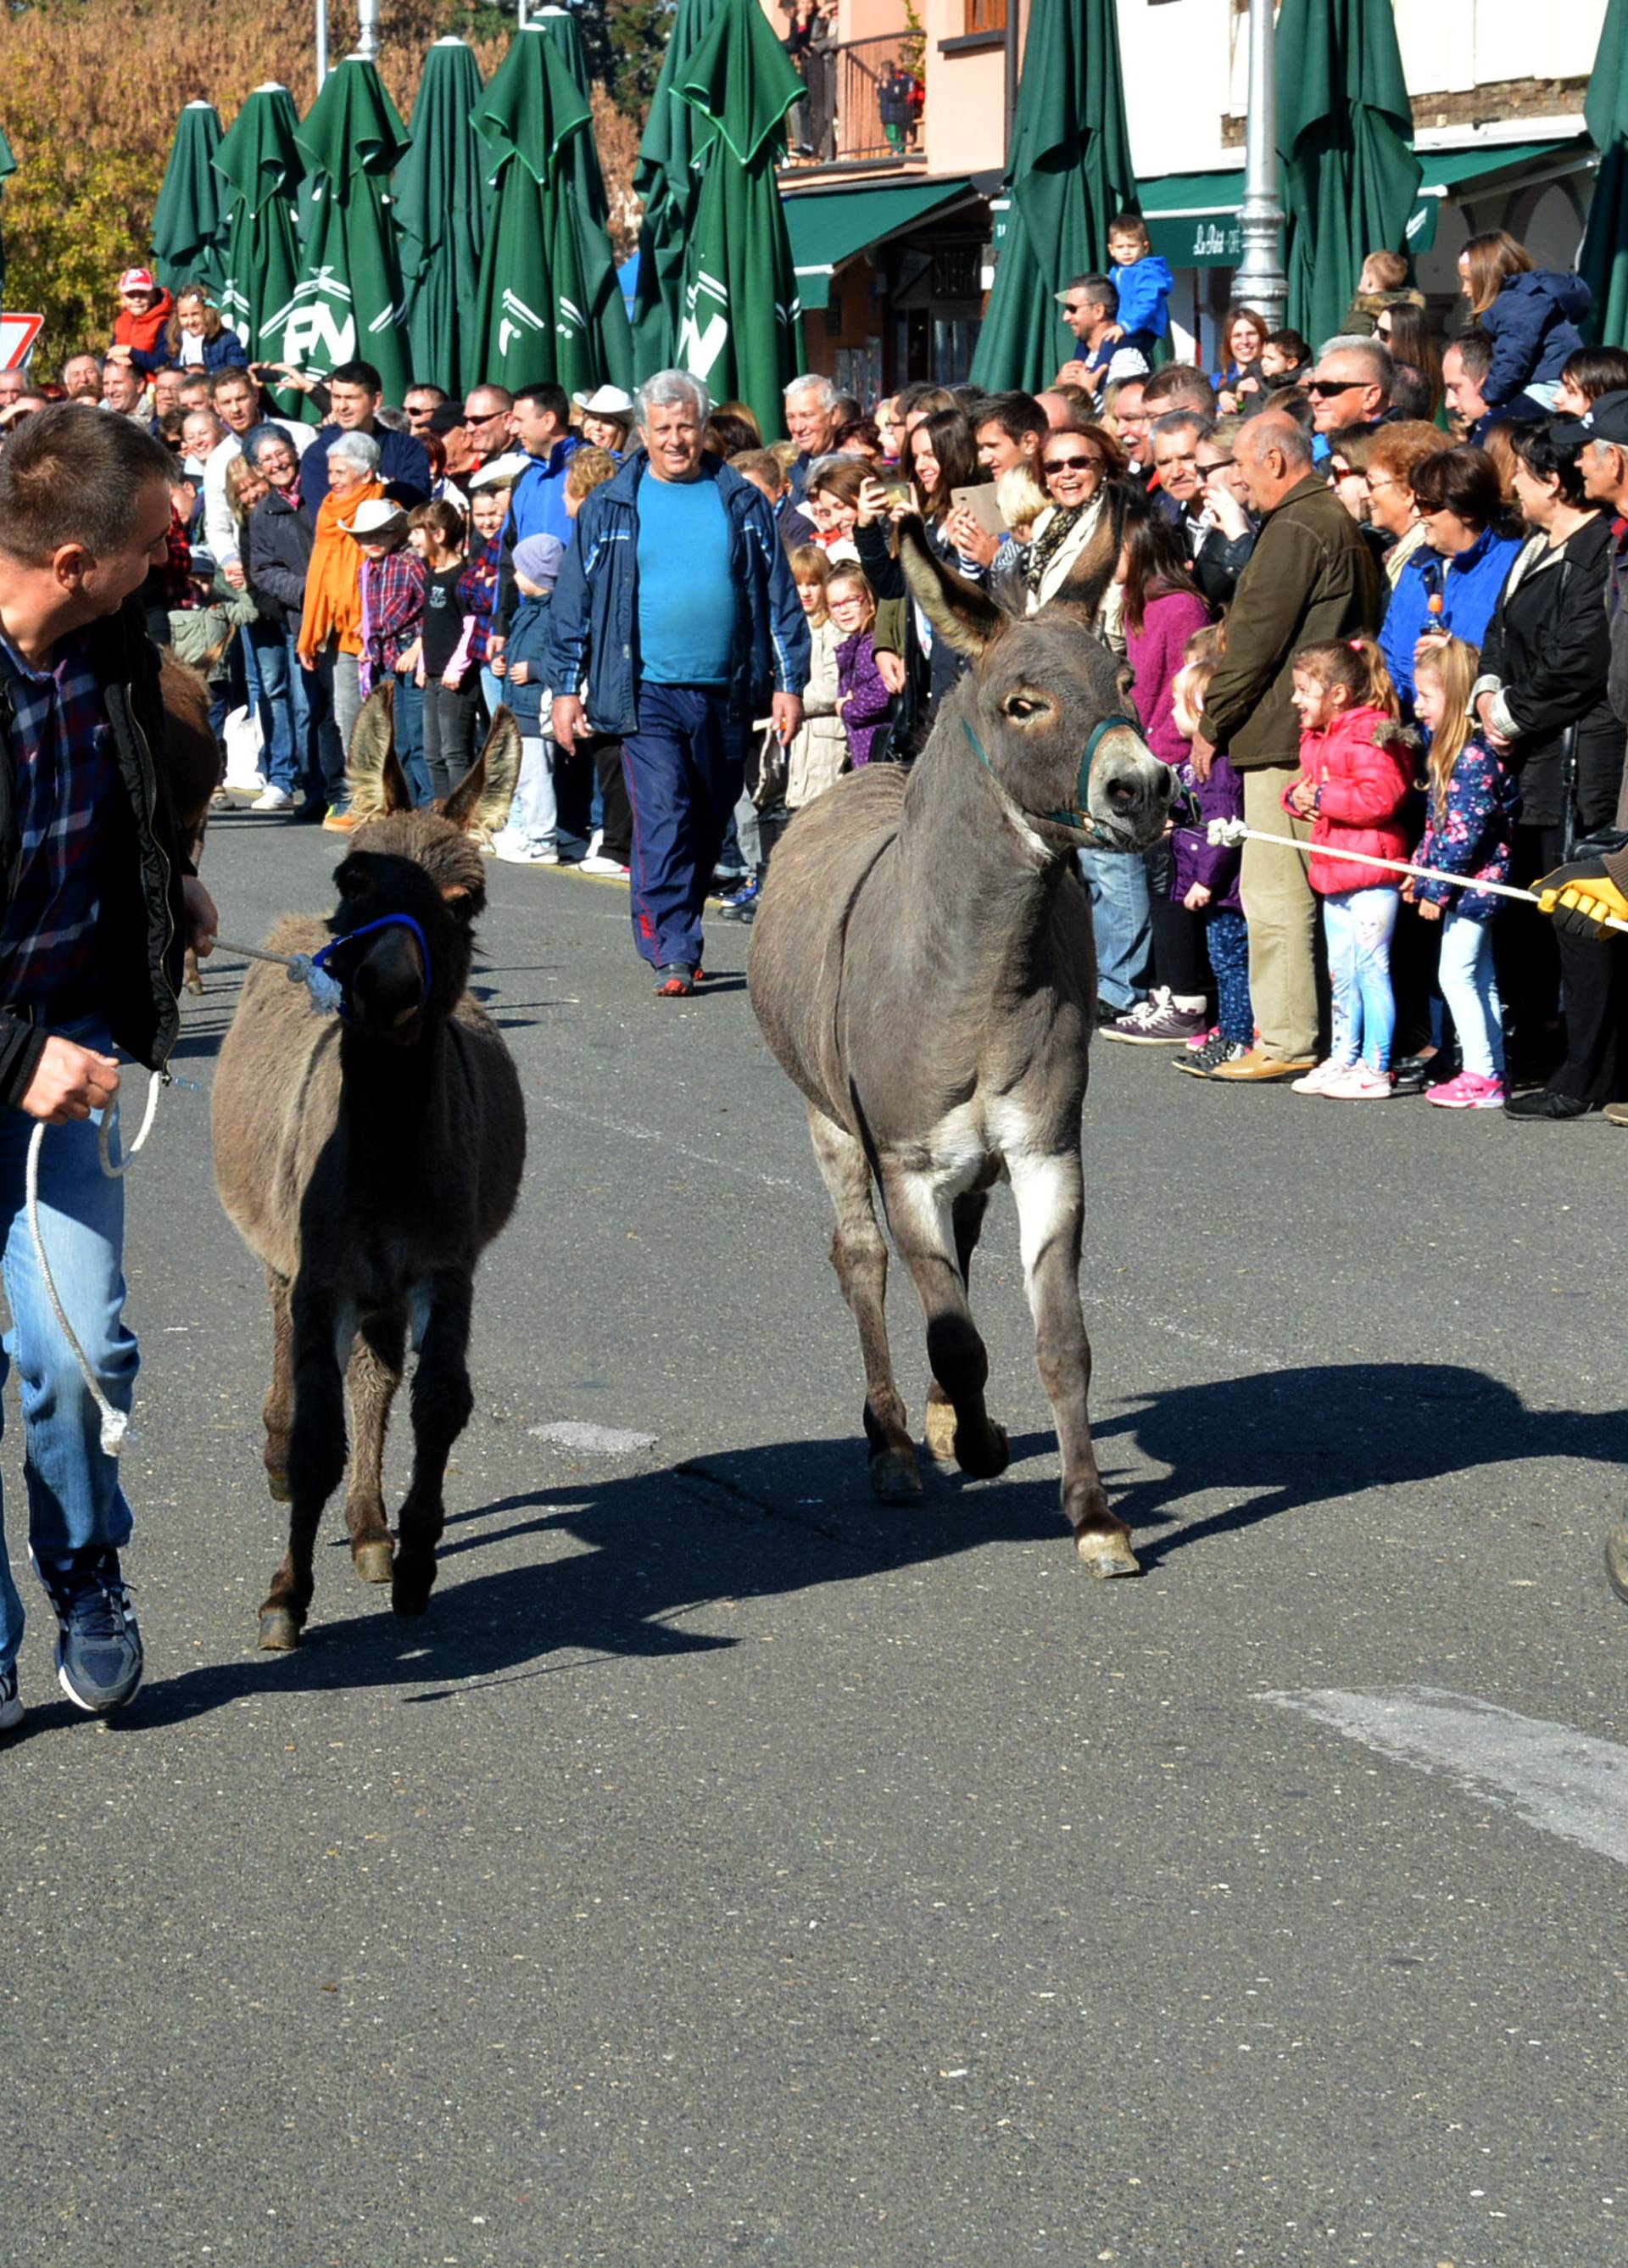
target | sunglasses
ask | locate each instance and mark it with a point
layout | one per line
(1218, 465)
(1073, 465)
(1322, 387)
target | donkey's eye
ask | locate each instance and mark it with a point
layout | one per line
(1020, 707)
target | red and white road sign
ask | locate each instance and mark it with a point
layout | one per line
(18, 334)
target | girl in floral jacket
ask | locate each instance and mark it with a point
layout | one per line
(1472, 806)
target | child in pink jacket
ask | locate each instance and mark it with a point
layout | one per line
(1356, 785)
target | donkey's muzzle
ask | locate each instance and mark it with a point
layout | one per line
(1131, 792)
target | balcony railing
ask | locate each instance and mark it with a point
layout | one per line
(840, 120)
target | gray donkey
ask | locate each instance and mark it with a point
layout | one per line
(923, 965)
(369, 1160)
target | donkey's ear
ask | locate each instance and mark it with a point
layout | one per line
(378, 782)
(959, 612)
(1085, 587)
(480, 801)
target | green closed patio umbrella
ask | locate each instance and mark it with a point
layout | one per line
(443, 198)
(1068, 173)
(349, 302)
(189, 221)
(259, 167)
(742, 328)
(1346, 141)
(608, 310)
(1603, 259)
(667, 184)
(547, 262)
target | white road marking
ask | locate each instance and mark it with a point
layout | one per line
(1550, 1775)
(603, 1440)
(635, 1133)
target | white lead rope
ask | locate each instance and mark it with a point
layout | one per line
(116, 1423)
(1230, 832)
(325, 992)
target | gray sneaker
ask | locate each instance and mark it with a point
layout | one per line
(10, 1707)
(1158, 1023)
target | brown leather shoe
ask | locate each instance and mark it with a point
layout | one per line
(1616, 1114)
(1259, 1064)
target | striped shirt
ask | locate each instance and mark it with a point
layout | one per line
(63, 772)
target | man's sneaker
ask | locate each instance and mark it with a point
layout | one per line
(1157, 1023)
(98, 1648)
(744, 895)
(596, 862)
(1201, 1062)
(10, 1707)
(675, 982)
(340, 822)
(272, 799)
(743, 906)
(1361, 1084)
(519, 855)
(1319, 1081)
(1469, 1090)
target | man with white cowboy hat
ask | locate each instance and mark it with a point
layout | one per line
(606, 419)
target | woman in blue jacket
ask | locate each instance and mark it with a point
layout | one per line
(1452, 582)
(1528, 313)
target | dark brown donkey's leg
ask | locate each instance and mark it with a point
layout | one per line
(316, 1459)
(860, 1257)
(1050, 1204)
(374, 1374)
(442, 1399)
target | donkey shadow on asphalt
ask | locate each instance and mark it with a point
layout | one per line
(647, 1552)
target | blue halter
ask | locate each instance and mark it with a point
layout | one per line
(1080, 818)
(320, 958)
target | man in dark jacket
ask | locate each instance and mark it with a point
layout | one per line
(96, 906)
(675, 624)
(356, 391)
(1310, 578)
(282, 528)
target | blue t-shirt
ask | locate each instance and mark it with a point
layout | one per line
(687, 600)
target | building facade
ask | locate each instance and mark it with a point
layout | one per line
(895, 226)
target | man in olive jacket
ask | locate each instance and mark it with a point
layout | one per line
(1310, 577)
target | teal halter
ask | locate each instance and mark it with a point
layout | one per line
(1080, 818)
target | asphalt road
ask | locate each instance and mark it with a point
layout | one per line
(729, 1867)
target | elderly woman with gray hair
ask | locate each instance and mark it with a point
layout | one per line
(330, 629)
(676, 560)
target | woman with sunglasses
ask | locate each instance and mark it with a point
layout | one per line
(1076, 465)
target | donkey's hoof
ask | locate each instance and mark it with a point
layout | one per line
(1105, 1551)
(981, 1460)
(277, 1484)
(894, 1476)
(279, 1631)
(374, 1560)
(940, 1430)
(409, 1594)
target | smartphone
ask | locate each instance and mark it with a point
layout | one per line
(982, 504)
(898, 493)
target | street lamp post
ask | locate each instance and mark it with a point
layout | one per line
(1259, 280)
(322, 44)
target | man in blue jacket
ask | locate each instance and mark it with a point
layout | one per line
(676, 625)
(356, 391)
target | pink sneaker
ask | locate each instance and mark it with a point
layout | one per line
(1317, 1081)
(1468, 1092)
(1359, 1084)
(1203, 1039)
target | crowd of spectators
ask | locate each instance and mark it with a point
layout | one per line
(1440, 509)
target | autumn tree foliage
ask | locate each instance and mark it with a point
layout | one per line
(90, 92)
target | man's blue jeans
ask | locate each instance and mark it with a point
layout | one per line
(307, 708)
(1117, 885)
(74, 1496)
(267, 645)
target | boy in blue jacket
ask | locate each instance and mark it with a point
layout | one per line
(1144, 282)
(530, 837)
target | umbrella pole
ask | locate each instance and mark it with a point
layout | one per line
(1259, 280)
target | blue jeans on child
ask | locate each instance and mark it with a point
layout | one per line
(1469, 987)
(1227, 937)
(1357, 924)
(74, 1496)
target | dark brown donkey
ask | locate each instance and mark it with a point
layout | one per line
(923, 965)
(368, 1159)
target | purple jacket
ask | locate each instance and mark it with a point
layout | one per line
(1155, 653)
(865, 714)
(1193, 857)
